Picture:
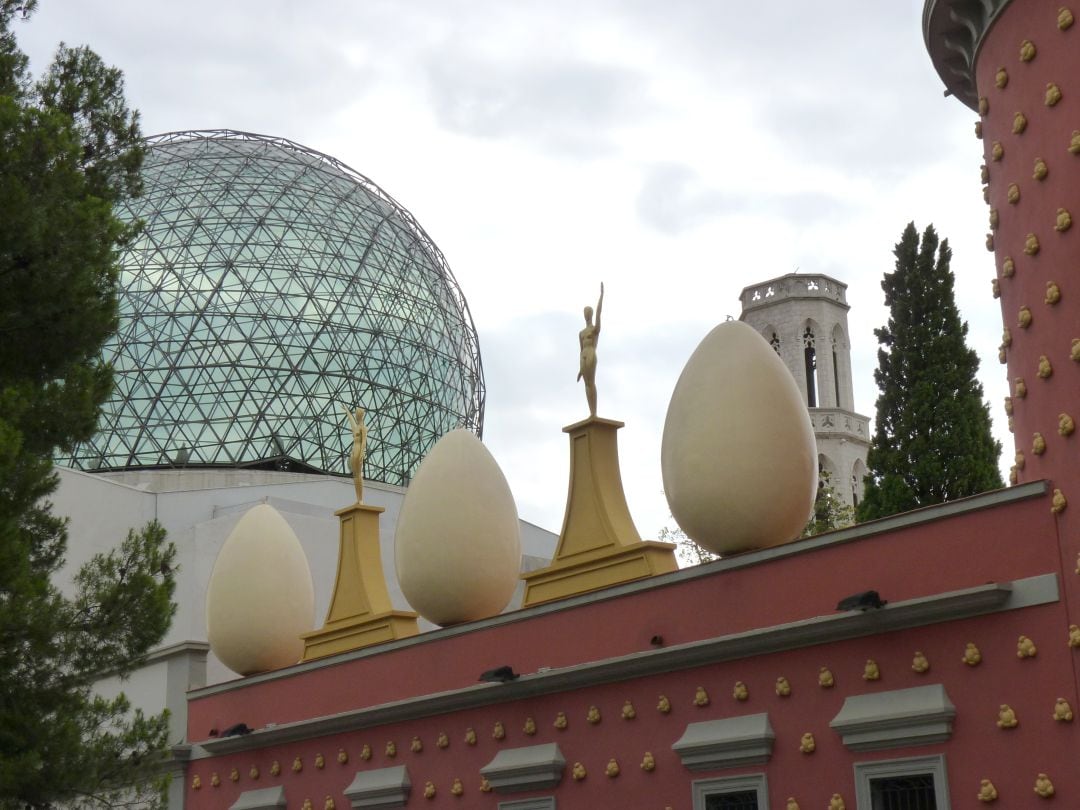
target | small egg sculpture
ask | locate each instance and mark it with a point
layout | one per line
(736, 419)
(458, 546)
(260, 597)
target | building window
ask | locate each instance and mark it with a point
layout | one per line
(810, 361)
(732, 793)
(918, 783)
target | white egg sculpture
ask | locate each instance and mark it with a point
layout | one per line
(739, 458)
(458, 542)
(260, 597)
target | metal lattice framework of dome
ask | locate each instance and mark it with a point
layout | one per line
(271, 287)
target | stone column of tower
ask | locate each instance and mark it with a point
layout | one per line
(1017, 66)
(804, 317)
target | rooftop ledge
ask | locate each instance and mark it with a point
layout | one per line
(917, 517)
(949, 606)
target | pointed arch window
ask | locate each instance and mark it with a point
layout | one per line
(810, 361)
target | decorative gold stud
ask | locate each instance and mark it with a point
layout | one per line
(984, 173)
(1045, 369)
(593, 715)
(457, 788)
(320, 761)
(871, 671)
(740, 692)
(1039, 170)
(997, 151)
(1006, 337)
(470, 736)
(1012, 193)
(995, 220)
(1020, 388)
(416, 746)
(234, 775)
(919, 663)
(429, 790)
(990, 242)
(254, 772)
(1008, 406)
(1074, 636)
(1064, 18)
(807, 743)
(663, 705)
(275, 768)
(1074, 351)
(978, 129)
(391, 749)
(530, 727)
(307, 805)
(1008, 267)
(485, 785)
(1031, 244)
(560, 721)
(972, 655)
(1053, 293)
(1007, 717)
(499, 732)
(1053, 94)
(783, 687)
(1019, 123)
(1010, 425)
(701, 697)
(1024, 317)
(1043, 786)
(215, 780)
(1019, 460)
(329, 803)
(1038, 444)
(612, 769)
(443, 740)
(837, 802)
(1027, 50)
(196, 782)
(342, 757)
(791, 804)
(987, 791)
(365, 752)
(628, 710)
(825, 678)
(1063, 712)
(984, 105)
(986, 194)
(1066, 425)
(578, 772)
(1001, 78)
(648, 762)
(1074, 142)
(995, 287)
(1014, 476)
(1058, 502)
(1025, 648)
(1063, 220)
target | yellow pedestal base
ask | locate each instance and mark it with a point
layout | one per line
(599, 545)
(360, 611)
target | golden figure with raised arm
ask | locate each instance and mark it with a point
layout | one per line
(588, 338)
(359, 449)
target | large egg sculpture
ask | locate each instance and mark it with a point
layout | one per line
(738, 457)
(458, 544)
(260, 597)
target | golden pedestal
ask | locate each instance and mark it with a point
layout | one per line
(599, 545)
(360, 611)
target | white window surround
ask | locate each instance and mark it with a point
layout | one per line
(382, 787)
(727, 743)
(545, 803)
(704, 788)
(910, 766)
(921, 715)
(265, 799)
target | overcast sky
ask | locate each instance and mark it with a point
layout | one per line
(678, 151)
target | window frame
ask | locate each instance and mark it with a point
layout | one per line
(704, 788)
(933, 765)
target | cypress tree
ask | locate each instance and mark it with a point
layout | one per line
(932, 440)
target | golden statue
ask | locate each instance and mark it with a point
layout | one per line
(588, 338)
(359, 450)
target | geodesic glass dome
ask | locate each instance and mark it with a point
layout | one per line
(272, 287)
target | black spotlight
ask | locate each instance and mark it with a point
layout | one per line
(862, 601)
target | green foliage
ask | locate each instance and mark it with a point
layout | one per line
(687, 552)
(830, 512)
(932, 441)
(69, 148)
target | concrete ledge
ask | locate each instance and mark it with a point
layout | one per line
(949, 606)
(385, 787)
(533, 768)
(264, 799)
(904, 717)
(727, 743)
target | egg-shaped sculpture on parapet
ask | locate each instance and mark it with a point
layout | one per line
(458, 541)
(739, 459)
(260, 597)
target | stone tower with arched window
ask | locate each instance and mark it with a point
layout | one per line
(804, 318)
